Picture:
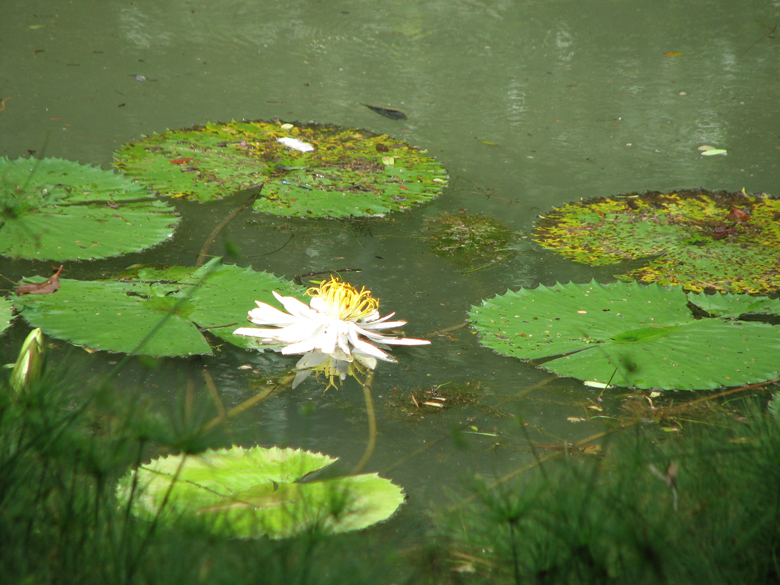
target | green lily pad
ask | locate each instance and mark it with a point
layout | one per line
(60, 210)
(6, 314)
(732, 306)
(116, 315)
(728, 242)
(347, 172)
(644, 335)
(250, 493)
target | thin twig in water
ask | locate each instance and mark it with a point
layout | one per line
(298, 279)
(274, 251)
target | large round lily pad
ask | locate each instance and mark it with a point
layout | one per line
(308, 170)
(728, 242)
(60, 210)
(173, 303)
(644, 336)
(253, 492)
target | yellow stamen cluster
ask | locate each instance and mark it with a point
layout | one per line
(355, 369)
(350, 304)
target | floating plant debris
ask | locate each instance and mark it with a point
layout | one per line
(388, 112)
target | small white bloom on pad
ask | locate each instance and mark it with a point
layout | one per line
(296, 144)
(337, 333)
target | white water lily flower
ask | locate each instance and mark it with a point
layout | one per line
(337, 333)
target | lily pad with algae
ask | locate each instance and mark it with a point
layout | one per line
(702, 240)
(308, 170)
(175, 304)
(54, 209)
(468, 239)
(249, 493)
(630, 334)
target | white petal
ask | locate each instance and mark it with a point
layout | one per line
(366, 360)
(266, 334)
(304, 346)
(391, 339)
(375, 318)
(298, 331)
(339, 354)
(295, 307)
(343, 343)
(319, 305)
(300, 377)
(326, 340)
(268, 315)
(366, 348)
(311, 360)
(295, 144)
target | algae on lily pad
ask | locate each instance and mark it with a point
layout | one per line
(256, 492)
(702, 240)
(468, 239)
(307, 170)
(54, 209)
(645, 336)
(116, 315)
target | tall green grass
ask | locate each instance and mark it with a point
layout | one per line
(651, 507)
(62, 450)
(703, 507)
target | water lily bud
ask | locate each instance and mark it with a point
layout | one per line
(29, 366)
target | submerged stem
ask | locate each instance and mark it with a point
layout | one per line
(371, 423)
(259, 397)
(204, 252)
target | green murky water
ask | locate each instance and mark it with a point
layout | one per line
(527, 104)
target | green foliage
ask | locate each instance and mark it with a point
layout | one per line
(63, 447)
(729, 242)
(164, 307)
(700, 508)
(55, 209)
(6, 314)
(733, 306)
(348, 172)
(634, 335)
(468, 239)
(255, 492)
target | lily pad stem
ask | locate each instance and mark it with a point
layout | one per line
(247, 404)
(371, 423)
(217, 230)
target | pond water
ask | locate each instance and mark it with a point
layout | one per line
(527, 104)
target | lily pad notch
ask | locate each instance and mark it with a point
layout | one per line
(308, 170)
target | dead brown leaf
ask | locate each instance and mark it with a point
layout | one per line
(40, 288)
